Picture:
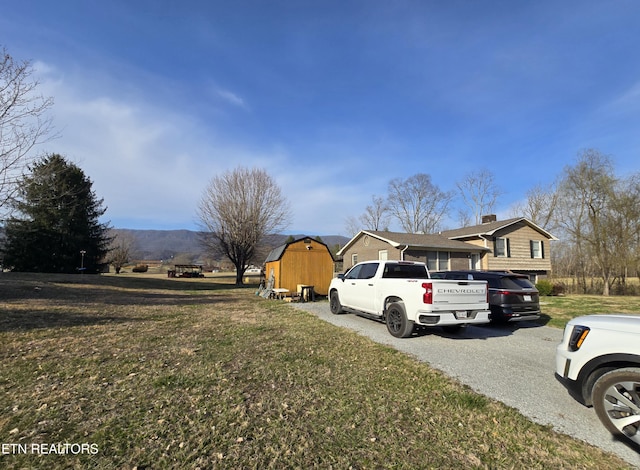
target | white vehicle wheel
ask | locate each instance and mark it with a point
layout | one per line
(616, 399)
(397, 323)
(334, 303)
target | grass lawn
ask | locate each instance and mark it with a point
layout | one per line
(557, 311)
(171, 373)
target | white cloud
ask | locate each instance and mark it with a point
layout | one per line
(231, 98)
(626, 102)
(152, 164)
(147, 163)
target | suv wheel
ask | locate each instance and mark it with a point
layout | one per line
(616, 399)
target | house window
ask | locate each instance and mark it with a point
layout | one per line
(438, 260)
(537, 249)
(443, 260)
(501, 248)
(383, 255)
(354, 259)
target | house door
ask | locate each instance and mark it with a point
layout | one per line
(474, 261)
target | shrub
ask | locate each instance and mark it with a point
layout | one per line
(545, 287)
(140, 268)
(558, 288)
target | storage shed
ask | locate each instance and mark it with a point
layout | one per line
(301, 262)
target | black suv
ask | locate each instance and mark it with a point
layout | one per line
(512, 297)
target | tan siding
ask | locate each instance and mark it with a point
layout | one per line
(478, 242)
(519, 237)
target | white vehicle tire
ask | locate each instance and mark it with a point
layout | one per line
(397, 322)
(616, 399)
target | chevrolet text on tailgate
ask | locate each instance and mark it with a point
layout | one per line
(402, 294)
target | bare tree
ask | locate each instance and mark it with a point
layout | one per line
(376, 215)
(120, 249)
(594, 207)
(464, 219)
(352, 225)
(23, 121)
(539, 207)
(624, 227)
(479, 193)
(418, 204)
(237, 210)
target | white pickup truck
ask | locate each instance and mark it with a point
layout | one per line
(403, 295)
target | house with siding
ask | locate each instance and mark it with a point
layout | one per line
(439, 252)
(516, 245)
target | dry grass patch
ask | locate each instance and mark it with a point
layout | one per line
(559, 310)
(165, 374)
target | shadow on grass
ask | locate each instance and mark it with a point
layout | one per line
(20, 320)
(120, 281)
(29, 301)
(16, 286)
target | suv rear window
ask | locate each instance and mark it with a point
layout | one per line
(511, 282)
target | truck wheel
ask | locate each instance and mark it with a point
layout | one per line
(616, 399)
(334, 303)
(397, 322)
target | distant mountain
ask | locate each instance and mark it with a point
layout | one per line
(166, 244)
(162, 244)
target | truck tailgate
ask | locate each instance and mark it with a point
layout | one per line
(463, 293)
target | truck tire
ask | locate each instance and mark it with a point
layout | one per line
(616, 399)
(334, 303)
(397, 323)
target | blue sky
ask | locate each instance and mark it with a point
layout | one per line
(332, 98)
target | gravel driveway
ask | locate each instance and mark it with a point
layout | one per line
(512, 363)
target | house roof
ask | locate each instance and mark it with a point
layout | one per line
(416, 240)
(276, 253)
(491, 228)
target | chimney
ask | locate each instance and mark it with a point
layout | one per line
(487, 219)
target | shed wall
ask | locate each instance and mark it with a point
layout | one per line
(299, 265)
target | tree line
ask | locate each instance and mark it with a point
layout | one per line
(418, 205)
(597, 217)
(594, 213)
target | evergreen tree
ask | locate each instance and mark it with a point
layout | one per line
(56, 228)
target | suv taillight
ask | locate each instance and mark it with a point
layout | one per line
(427, 297)
(578, 335)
